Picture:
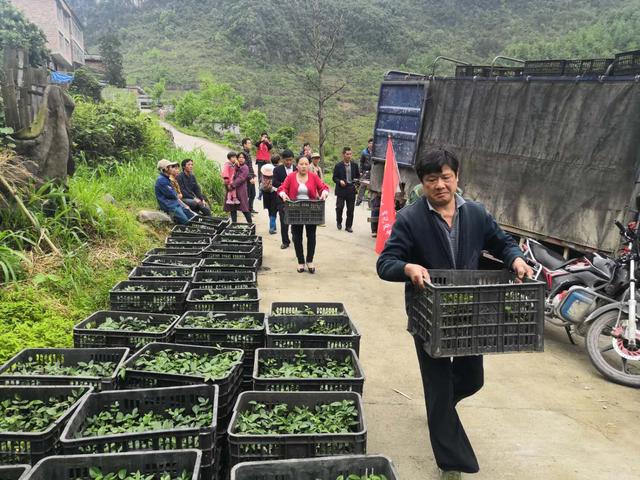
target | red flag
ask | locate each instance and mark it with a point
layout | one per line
(390, 185)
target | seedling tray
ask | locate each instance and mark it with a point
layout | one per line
(195, 302)
(315, 468)
(311, 340)
(67, 357)
(150, 300)
(175, 252)
(187, 242)
(216, 222)
(228, 386)
(222, 264)
(299, 309)
(246, 339)
(144, 400)
(246, 448)
(195, 229)
(477, 312)
(86, 334)
(29, 447)
(245, 279)
(225, 250)
(161, 273)
(327, 384)
(14, 472)
(171, 261)
(304, 212)
(241, 227)
(74, 467)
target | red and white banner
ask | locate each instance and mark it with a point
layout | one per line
(390, 185)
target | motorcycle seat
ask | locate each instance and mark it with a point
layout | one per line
(548, 258)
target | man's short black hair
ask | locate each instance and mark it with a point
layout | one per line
(306, 144)
(433, 162)
(370, 140)
(264, 133)
(346, 149)
(275, 159)
(185, 161)
(245, 140)
(287, 154)
(230, 155)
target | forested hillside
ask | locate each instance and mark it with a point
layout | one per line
(253, 44)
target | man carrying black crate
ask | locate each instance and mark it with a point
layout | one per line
(444, 231)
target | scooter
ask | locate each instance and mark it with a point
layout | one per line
(594, 296)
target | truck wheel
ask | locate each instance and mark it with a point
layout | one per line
(609, 354)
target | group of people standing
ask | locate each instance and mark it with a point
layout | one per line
(276, 179)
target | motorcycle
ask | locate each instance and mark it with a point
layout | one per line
(595, 297)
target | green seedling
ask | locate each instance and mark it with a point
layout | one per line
(210, 367)
(222, 321)
(20, 415)
(300, 367)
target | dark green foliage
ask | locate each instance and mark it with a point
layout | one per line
(259, 419)
(82, 369)
(211, 367)
(131, 324)
(123, 474)
(300, 367)
(16, 31)
(319, 327)
(213, 296)
(86, 84)
(18, 415)
(108, 131)
(110, 46)
(220, 320)
(114, 420)
(283, 138)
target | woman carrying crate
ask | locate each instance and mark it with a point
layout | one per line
(303, 185)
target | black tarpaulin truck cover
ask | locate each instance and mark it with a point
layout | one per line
(554, 159)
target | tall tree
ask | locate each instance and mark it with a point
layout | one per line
(110, 51)
(16, 31)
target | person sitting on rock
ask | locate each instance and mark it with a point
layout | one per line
(166, 195)
(191, 193)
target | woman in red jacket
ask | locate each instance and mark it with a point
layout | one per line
(303, 185)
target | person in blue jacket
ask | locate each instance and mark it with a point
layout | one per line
(442, 230)
(166, 195)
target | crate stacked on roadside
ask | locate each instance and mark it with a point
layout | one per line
(127, 367)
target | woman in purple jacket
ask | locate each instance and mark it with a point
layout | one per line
(239, 183)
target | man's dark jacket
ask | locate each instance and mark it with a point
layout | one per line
(340, 173)
(416, 238)
(280, 175)
(249, 163)
(189, 186)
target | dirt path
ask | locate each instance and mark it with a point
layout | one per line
(540, 416)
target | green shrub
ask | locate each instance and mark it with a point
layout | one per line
(86, 85)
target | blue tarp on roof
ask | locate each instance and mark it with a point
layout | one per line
(61, 78)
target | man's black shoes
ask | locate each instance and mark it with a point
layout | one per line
(349, 229)
(339, 226)
(284, 245)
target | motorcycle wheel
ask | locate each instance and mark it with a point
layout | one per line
(608, 357)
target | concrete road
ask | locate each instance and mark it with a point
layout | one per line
(539, 416)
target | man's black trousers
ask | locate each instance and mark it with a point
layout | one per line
(284, 228)
(350, 201)
(446, 381)
(251, 190)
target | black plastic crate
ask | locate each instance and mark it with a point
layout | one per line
(249, 229)
(194, 230)
(74, 467)
(592, 67)
(544, 68)
(187, 242)
(175, 252)
(217, 222)
(246, 339)
(488, 71)
(246, 448)
(86, 334)
(228, 386)
(298, 309)
(311, 340)
(171, 261)
(292, 384)
(67, 357)
(29, 447)
(195, 301)
(14, 472)
(315, 468)
(304, 212)
(235, 239)
(476, 312)
(221, 264)
(246, 279)
(162, 273)
(627, 63)
(144, 400)
(225, 250)
(150, 300)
